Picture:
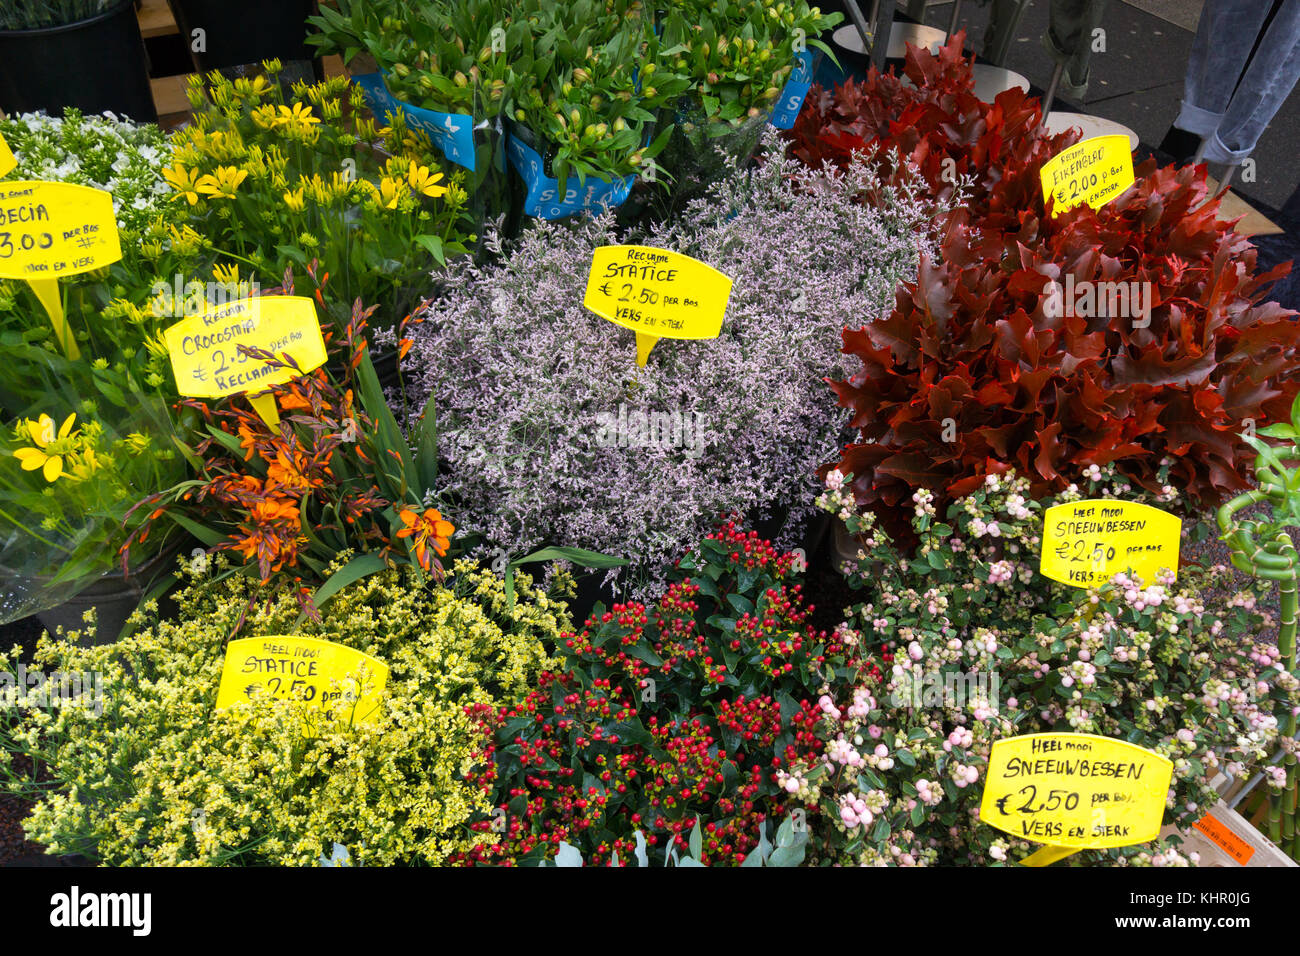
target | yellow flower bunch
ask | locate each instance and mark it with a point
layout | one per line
(162, 778)
(279, 180)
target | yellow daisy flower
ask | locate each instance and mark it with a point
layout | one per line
(184, 181)
(223, 184)
(424, 182)
(41, 433)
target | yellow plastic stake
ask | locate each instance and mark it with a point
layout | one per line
(1046, 856)
(47, 290)
(51, 230)
(657, 293)
(264, 405)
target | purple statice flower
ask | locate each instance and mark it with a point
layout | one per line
(550, 432)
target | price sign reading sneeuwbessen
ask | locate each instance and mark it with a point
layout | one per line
(1078, 791)
(1085, 543)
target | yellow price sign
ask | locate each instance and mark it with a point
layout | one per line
(303, 668)
(7, 161)
(50, 230)
(1094, 171)
(1086, 542)
(208, 363)
(1074, 792)
(657, 293)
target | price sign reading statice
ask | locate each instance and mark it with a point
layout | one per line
(657, 293)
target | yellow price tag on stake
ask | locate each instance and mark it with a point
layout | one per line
(1094, 171)
(657, 293)
(207, 361)
(7, 161)
(303, 668)
(1074, 792)
(1086, 542)
(51, 230)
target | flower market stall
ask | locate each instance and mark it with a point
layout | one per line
(571, 434)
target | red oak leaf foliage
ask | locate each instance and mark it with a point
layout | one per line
(931, 119)
(984, 365)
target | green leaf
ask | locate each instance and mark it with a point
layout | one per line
(697, 840)
(354, 570)
(434, 245)
(206, 535)
(580, 556)
(426, 447)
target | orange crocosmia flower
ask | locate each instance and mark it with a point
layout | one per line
(291, 400)
(271, 537)
(247, 441)
(289, 471)
(425, 529)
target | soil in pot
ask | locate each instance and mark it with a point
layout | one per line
(94, 65)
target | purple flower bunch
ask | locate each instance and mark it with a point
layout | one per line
(551, 434)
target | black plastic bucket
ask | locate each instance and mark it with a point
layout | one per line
(95, 65)
(236, 32)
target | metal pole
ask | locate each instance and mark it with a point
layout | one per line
(1051, 89)
(859, 21)
(884, 22)
(952, 22)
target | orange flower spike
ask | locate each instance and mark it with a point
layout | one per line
(403, 347)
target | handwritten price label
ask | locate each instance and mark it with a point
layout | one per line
(1086, 542)
(207, 361)
(303, 668)
(49, 230)
(1075, 791)
(657, 294)
(1094, 171)
(7, 161)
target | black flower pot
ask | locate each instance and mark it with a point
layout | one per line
(94, 65)
(236, 32)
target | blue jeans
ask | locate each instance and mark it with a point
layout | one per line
(1233, 121)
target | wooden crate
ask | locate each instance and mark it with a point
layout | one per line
(1223, 837)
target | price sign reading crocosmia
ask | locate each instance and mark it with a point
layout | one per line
(1074, 792)
(303, 668)
(1094, 171)
(7, 161)
(51, 230)
(208, 363)
(657, 293)
(1085, 543)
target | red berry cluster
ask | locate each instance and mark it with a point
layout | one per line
(598, 751)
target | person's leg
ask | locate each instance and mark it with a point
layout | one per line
(1069, 40)
(1269, 79)
(1225, 35)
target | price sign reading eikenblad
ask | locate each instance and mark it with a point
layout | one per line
(1094, 171)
